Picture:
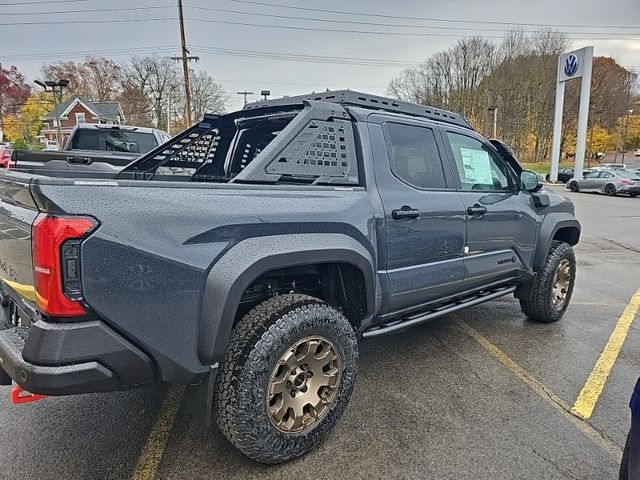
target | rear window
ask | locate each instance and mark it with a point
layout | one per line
(414, 156)
(114, 140)
(629, 175)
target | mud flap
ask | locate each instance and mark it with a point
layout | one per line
(199, 398)
(5, 379)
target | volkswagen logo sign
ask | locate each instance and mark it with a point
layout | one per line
(570, 65)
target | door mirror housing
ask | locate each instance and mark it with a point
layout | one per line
(530, 181)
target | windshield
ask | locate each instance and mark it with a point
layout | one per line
(114, 140)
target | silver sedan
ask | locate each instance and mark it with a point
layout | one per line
(610, 182)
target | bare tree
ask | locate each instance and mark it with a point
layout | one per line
(208, 96)
(448, 79)
(148, 83)
(104, 77)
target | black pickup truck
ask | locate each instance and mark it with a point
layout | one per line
(249, 255)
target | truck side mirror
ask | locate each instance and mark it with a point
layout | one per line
(530, 181)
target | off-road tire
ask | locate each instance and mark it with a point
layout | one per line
(573, 186)
(257, 343)
(624, 466)
(610, 190)
(540, 308)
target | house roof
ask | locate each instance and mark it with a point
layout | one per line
(103, 110)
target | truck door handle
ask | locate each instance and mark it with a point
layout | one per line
(405, 213)
(476, 210)
(79, 160)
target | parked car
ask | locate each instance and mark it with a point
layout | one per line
(630, 467)
(94, 148)
(564, 175)
(5, 155)
(292, 229)
(607, 181)
(637, 152)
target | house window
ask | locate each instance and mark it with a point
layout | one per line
(80, 118)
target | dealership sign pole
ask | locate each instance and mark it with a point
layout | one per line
(576, 64)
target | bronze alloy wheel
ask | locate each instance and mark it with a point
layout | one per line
(303, 384)
(561, 282)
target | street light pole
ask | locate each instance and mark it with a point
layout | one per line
(55, 87)
(494, 109)
(624, 138)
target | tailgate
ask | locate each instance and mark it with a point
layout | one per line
(17, 212)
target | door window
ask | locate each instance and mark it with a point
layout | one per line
(477, 166)
(414, 156)
(606, 175)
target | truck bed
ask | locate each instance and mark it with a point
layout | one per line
(145, 267)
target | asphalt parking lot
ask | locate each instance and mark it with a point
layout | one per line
(483, 394)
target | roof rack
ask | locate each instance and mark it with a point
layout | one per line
(357, 99)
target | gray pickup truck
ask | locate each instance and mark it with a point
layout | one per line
(249, 255)
(93, 148)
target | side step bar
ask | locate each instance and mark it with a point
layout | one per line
(424, 316)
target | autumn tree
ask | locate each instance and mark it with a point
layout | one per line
(96, 78)
(522, 86)
(14, 91)
(27, 122)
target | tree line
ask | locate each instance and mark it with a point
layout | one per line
(150, 90)
(518, 77)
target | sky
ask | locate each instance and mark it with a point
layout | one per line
(254, 44)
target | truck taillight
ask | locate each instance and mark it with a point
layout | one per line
(55, 242)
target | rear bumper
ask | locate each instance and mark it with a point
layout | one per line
(629, 189)
(71, 358)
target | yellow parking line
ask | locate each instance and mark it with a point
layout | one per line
(591, 391)
(151, 454)
(543, 392)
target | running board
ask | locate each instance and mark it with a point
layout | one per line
(424, 316)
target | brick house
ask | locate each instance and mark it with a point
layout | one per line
(76, 110)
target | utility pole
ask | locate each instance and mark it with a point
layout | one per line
(244, 94)
(185, 58)
(169, 112)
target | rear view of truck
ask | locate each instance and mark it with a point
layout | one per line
(40, 273)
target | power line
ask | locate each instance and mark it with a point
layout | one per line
(313, 19)
(42, 2)
(373, 32)
(210, 50)
(219, 51)
(433, 19)
(71, 22)
(378, 24)
(309, 9)
(79, 53)
(303, 28)
(87, 10)
(305, 58)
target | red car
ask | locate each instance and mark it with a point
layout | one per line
(5, 156)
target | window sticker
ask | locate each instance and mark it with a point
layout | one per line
(477, 166)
